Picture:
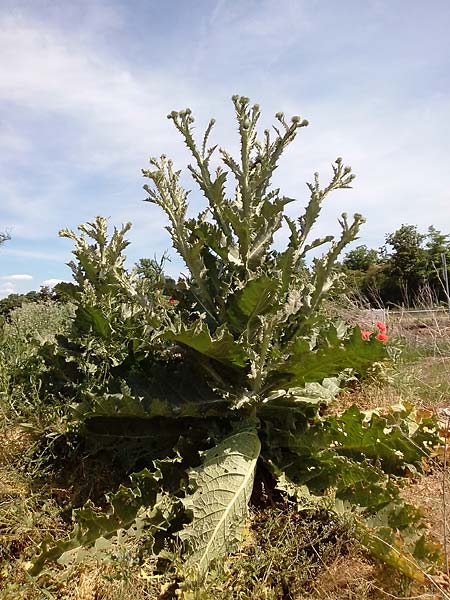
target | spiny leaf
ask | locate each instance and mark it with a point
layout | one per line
(257, 298)
(330, 357)
(221, 346)
(224, 484)
(352, 453)
(396, 536)
(131, 508)
(382, 438)
(92, 317)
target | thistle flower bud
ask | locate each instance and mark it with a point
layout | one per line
(172, 115)
(256, 107)
(295, 119)
(279, 115)
(338, 160)
(304, 123)
(347, 170)
(235, 97)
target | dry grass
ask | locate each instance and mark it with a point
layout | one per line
(284, 558)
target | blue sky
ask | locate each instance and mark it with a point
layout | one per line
(85, 87)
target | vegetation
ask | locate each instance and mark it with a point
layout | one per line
(198, 404)
(13, 301)
(408, 274)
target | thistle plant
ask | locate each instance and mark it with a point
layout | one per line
(247, 364)
(254, 304)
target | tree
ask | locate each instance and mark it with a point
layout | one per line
(407, 270)
(366, 273)
(437, 244)
(361, 258)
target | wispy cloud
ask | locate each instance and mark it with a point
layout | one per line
(34, 255)
(17, 277)
(86, 92)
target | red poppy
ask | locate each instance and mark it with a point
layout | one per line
(171, 301)
(365, 334)
(382, 337)
(381, 326)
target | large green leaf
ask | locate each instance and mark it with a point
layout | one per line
(223, 486)
(221, 346)
(354, 453)
(131, 509)
(257, 298)
(399, 439)
(331, 355)
(88, 317)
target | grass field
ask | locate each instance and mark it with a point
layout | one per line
(287, 554)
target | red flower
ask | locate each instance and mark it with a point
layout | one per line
(171, 301)
(381, 326)
(382, 337)
(366, 334)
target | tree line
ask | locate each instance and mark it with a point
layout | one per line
(406, 271)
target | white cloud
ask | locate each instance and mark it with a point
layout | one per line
(7, 288)
(95, 116)
(18, 277)
(51, 282)
(34, 254)
(111, 112)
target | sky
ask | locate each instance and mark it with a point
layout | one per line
(85, 87)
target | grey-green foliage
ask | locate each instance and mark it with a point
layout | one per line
(240, 288)
(22, 335)
(240, 364)
(222, 487)
(115, 314)
(132, 511)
